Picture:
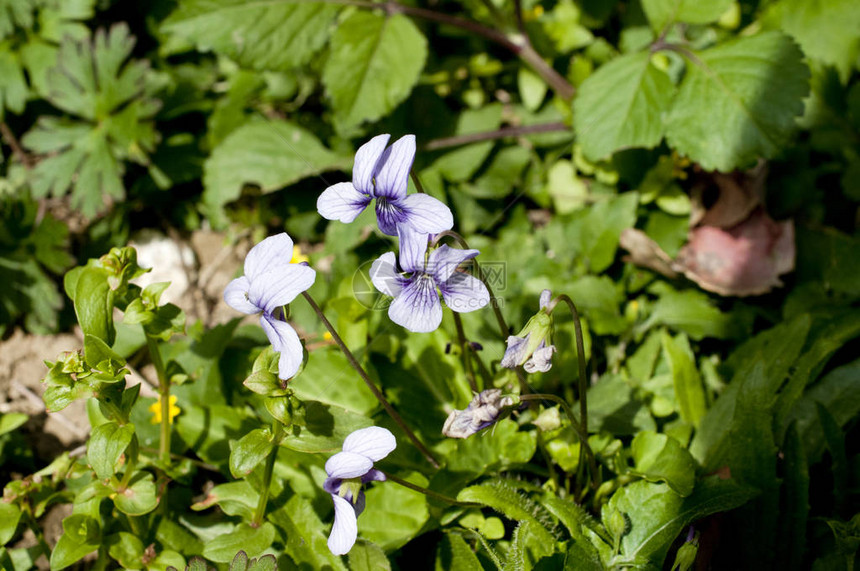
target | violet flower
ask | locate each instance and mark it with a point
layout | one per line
(383, 173)
(484, 410)
(530, 348)
(270, 282)
(347, 471)
(416, 303)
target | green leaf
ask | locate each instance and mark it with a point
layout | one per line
(252, 540)
(621, 106)
(659, 458)
(325, 428)
(374, 63)
(81, 536)
(825, 29)
(738, 101)
(657, 514)
(209, 430)
(92, 83)
(139, 497)
(107, 443)
(127, 549)
(248, 452)
(664, 12)
(689, 391)
(306, 535)
(395, 514)
(11, 420)
(328, 378)
(93, 300)
(97, 352)
(507, 500)
(275, 35)
(693, 313)
(234, 498)
(366, 556)
(460, 164)
(794, 513)
(13, 85)
(496, 450)
(10, 515)
(16, 14)
(271, 154)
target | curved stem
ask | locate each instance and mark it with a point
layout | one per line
(583, 436)
(430, 493)
(418, 186)
(260, 512)
(363, 374)
(580, 355)
(164, 395)
(467, 360)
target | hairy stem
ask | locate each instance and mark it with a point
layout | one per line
(429, 493)
(363, 374)
(260, 512)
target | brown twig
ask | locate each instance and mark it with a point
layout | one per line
(17, 150)
(458, 140)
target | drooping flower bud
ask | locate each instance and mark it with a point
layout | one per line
(485, 409)
(531, 348)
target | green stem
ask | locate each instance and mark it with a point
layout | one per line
(164, 393)
(132, 453)
(418, 186)
(364, 376)
(583, 436)
(430, 493)
(467, 360)
(260, 512)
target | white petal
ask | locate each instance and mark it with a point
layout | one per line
(366, 159)
(374, 442)
(348, 464)
(269, 254)
(236, 296)
(545, 298)
(426, 214)
(417, 308)
(270, 290)
(413, 247)
(384, 275)
(464, 293)
(541, 360)
(444, 260)
(345, 528)
(285, 340)
(392, 175)
(342, 202)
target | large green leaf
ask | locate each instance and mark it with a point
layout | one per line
(738, 101)
(622, 105)
(269, 154)
(306, 535)
(689, 391)
(107, 443)
(373, 66)
(394, 514)
(659, 458)
(252, 540)
(260, 34)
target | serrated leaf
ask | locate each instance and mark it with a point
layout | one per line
(738, 101)
(663, 12)
(506, 500)
(16, 14)
(374, 63)
(270, 154)
(13, 85)
(622, 105)
(274, 35)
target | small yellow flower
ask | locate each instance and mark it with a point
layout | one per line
(298, 257)
(155, 409)
(327, 336)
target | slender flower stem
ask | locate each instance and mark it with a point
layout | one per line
(418, 186)
(583, 435)
(363, 374)
(164, 394)
(458, 140)
(260, 512)
(429, 493)
(467, 360)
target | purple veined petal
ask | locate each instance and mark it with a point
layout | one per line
(342, 202)
(426, 214)
(373, 475)
(389, 215)
(345, 527)
(444, 260)
(269, 254)
(366, 159)
(515, 352)
(279, 286)
(392, 170)
(236, 296)
(373, 442)
(464, 293)
(345, 465)
(541, 360)
(285, 340)
(545, 298)
(384, 275)
(417, 308)
(413, 247)
(332, 485)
